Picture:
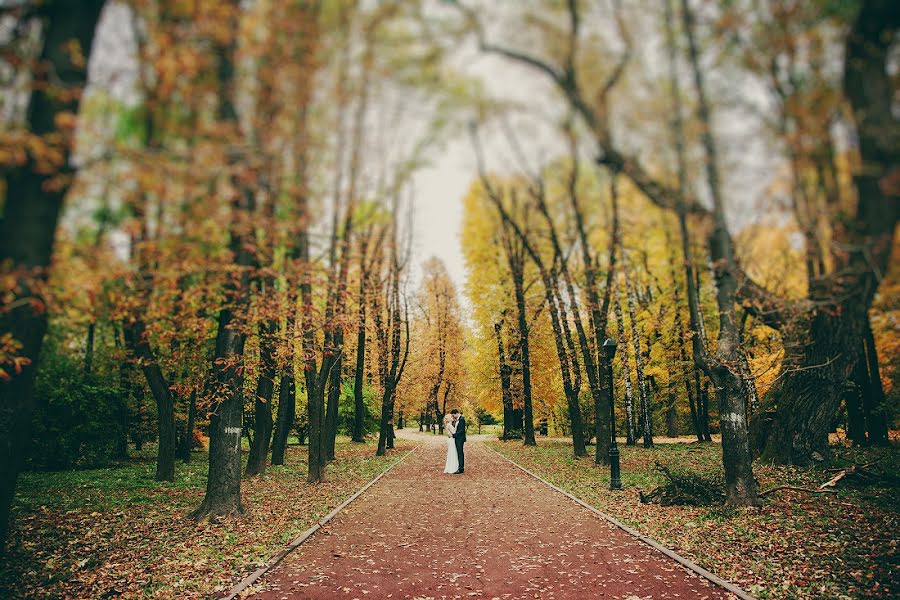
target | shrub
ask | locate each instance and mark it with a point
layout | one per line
(684, 487)
(484, 417)
(512, 434)
(347, 409)
(80, 420)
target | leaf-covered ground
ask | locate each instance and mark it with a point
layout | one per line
(797, 545)
(117, 533)
(490, 533)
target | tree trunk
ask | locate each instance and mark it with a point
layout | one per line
(679, 339)
(505, 384)
(600, 320)
(573, 390)
(223, 484)
(225, 386)
(359, 405)
(136, 340)
(695, 417)
(672, 411)
(27, 230)
(226, 378)
(639, 364)
(630, 432)
(723, 369)
(265, 390)
(703, 395)
(831, 334)
(595, 386)
(287, 398)
(334, 398)
(691, 274)
(390, 430)
(806, 401)
(873, 401)
(188, 441)
(524, 354)
(385, 422)
(392, 340)
(306, 17)
(287, 403)
(316, 377)
(671, 416)
(315, 410)
(856, 421)
(89, 348)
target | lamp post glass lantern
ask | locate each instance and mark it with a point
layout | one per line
(615, 473)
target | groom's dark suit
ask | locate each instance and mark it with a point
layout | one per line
(460, 439)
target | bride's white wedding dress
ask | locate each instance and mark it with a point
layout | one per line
(452, 465)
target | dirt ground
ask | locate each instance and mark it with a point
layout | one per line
(492, 532)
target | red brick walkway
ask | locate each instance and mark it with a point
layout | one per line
(493, 532)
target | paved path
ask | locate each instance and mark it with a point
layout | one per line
(493, 532)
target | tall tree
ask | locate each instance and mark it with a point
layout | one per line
(723, 368)
(365, 282)
(570, 368)
(514, 251)
(303, 38)
(509, 421)
(393, 344)
(224, 389)
(741, 487)
(630, 430)
(440, 336)
(830, 332)
(33, 195)
(643, 399)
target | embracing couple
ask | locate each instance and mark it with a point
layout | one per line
(455, 426)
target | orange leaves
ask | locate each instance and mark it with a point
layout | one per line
(75, 53)
(65, 120)
(13, 149)
(178, 66)
(10, 362)
(117, 533)
(47, 153)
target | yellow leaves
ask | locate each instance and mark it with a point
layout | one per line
(772, 255)
(76, 56)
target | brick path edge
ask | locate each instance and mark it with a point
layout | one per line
(299, 540)
(649, 541)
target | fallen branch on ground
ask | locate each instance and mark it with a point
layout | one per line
(829, 486)
(852, 470)
(795, 488)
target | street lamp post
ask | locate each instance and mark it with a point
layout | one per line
(615, 473)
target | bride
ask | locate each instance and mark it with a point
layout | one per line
(452, 465)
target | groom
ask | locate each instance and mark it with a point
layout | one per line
(460, 439)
